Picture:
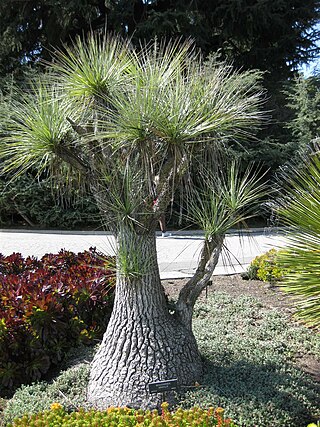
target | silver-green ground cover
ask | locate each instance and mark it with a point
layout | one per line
(250, 371)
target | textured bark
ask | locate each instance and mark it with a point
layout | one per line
(143, 342)
(190, 292)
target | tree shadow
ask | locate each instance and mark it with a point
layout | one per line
(276, 388)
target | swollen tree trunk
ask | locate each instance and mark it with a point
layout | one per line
(143, 342)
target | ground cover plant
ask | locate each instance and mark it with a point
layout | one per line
(266, 267)
(48, 306)
(251, 367)
(126, 417)
(252, 353)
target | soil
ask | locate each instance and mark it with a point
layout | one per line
(268, 295)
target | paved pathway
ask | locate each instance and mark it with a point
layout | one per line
(177, 255)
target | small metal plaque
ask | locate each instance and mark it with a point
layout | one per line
(163, 386)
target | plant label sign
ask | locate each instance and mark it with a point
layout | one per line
(163, 386)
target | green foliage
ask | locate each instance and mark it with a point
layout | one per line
(47, 307)
(37, 203)
(126, 417)
(300, 208)
(96, 68)
(37, 125)
(224, 198)
(30, 30)
(304, 100)
(271, 36)
(266, 267)
(276, 37)
(140, 116)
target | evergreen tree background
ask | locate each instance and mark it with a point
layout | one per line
(304, 99)
(270, 36)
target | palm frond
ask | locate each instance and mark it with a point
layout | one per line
(110, 109)
(300, 209)
(186, 106)
(162, 62)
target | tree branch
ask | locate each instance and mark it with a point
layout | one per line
(71, 157)
(172, 171)
(80, 130)
(190, 292)
(22, 214)
(93, 144)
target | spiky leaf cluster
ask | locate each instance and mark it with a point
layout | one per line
(127, 121)
(300, 209)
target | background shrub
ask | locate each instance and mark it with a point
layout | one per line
(299, 208)
(33, 201)
(47, 307)
(266, 267)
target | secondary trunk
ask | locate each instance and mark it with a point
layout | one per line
(143, 342)
(189, 294)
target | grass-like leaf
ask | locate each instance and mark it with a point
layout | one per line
(35, 128)
(95, 68)
(226, 199)
(300, 209)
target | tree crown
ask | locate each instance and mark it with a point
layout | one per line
(129, 121)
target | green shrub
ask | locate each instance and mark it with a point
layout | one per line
(266, 267)
(125, 417)
(34, 201)
(299, 208)
(48, 306)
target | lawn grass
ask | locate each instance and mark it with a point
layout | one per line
(250, 368)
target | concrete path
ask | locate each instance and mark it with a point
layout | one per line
(177, 254)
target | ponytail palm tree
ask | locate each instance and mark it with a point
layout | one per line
(129, 124)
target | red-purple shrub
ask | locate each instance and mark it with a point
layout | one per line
(48, 306)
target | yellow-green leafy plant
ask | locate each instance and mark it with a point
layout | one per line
(126, 417)
(266, 267)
